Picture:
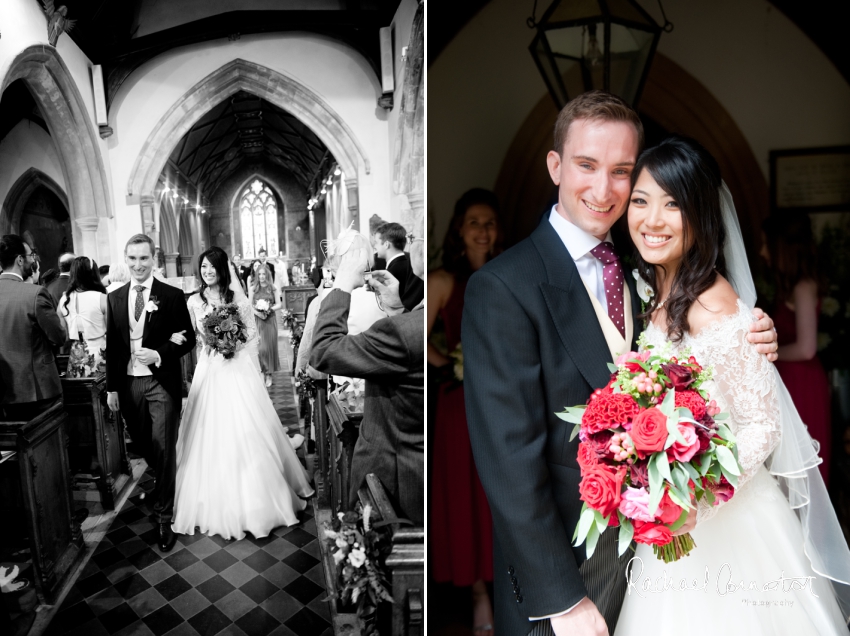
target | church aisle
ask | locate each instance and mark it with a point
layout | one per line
(205, 585)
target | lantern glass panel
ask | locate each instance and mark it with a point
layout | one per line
(630, 49)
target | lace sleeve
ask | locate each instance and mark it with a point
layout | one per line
(246, 312)
(746, 382)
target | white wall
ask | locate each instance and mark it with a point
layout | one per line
(336, 73)
(777, 85)
(28, 146)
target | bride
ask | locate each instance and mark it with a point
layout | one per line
(772, 559)
(236, 468)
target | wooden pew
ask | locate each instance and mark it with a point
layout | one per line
(406, 562)
(35, 489)
(343, 431)
(96, 437)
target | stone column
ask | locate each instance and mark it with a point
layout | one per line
(149, 218)
(417, 208)
(188, 265)
(353, 201)
(88, 228)
(171, 265)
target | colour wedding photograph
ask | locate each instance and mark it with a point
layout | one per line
(638, 387)
(212, 317)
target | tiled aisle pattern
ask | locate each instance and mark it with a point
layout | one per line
(205, 585)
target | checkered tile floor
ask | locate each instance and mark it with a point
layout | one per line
(205, 585)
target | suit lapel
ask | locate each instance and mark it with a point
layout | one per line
(571, 310)
(119, 308)
(156, 293)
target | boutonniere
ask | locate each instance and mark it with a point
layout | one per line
(644, 290)
(152, 306)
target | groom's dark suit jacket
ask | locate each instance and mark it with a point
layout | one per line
(172, 316)
(532, 345)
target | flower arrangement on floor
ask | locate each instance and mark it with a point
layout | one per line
(652, 445)
(223, 329)
(263, 306)
(360, 549)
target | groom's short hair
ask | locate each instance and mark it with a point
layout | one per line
(597, 105)
(140, 238)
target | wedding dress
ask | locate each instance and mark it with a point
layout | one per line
(236, 468)
(732, 582)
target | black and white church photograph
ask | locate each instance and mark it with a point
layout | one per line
(638, 382)
(212, 325)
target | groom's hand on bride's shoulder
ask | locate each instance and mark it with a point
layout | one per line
(582, 620)
(763, 335)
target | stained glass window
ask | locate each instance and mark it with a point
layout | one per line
(258, 214)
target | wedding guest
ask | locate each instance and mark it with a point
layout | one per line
(48, 277)
(791, 253)
(263, 289)
(390, 241)
(29, 329)
(460, 523)
(58, 286)
(119, 275)
(103, 270)
(389, 356)
(83, 305)
(374, 223)
(263, 256)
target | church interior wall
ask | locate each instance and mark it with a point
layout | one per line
(336, 73)
(781, 90)
(27, 146)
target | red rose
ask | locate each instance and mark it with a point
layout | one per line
(693, 401)
(652, 533)
(681, 377)
(723, 491)
(600, 488)
(667, 512)
(586, 456)
(649, 431)
(607, 410)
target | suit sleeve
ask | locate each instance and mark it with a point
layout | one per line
(378, 351)
(47, 318)
(507, 419)
(180, 312)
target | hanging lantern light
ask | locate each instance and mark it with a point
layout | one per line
(582, 45)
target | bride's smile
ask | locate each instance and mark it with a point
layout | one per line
(655, 223)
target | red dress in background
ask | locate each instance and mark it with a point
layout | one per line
(808, 385)
(461, 530)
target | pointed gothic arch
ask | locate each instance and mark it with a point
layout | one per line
(19, 194)
(275, 87)
(61, 104)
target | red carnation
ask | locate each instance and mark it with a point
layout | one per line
(600, 488)
(693, 401)
(608, 410)
(652, 533)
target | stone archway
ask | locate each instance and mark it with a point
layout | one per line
(61, 104)
(169, 237)
(273, 86)
(675, 100)
(19, 194)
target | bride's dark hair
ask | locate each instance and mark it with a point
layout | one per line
(218, 259)
(688, 173)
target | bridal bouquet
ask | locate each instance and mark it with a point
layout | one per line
(263, 306)
(652, 444)
(224, 330)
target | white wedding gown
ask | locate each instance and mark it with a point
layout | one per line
(236, 468)
(742, 545)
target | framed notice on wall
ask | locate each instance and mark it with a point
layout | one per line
(810, 179)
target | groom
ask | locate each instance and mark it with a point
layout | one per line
(539, 325)
(143, 377)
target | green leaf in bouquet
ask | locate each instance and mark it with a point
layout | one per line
(576, 430)
(709, 497)
(585, 523)
(575, 531)
(724, 432)
(721, 416)
(693, 473)
(571, 414)
(641, 364)
(656, 480)
(680, 521)
(673, 432)
(705, 464)
(678, 498)
(663, 466)
(727, 460)
(627, 532)
(613, 368)
(732, 479)
(668, 406)
(601, 522)
(592, 539)
(680, 478)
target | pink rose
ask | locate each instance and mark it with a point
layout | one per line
(633, 367)
(634, 504)
(684, 452)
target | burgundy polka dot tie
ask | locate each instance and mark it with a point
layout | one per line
(612, 278)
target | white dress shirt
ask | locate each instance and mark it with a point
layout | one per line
(134, 367)
(578, 244)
